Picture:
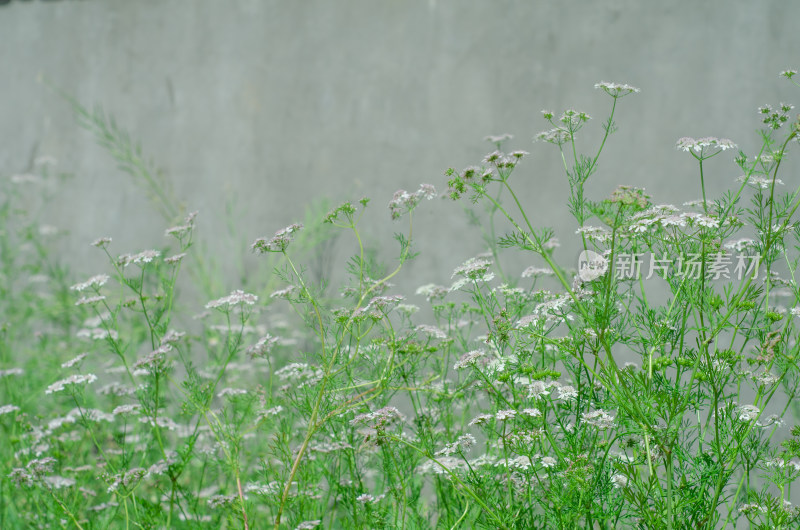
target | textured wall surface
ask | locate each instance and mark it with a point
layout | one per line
(274, 103)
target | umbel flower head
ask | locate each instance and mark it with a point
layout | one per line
(277, 243)
(617, 90)
(403, 201)
(704, 147)
(236, 298)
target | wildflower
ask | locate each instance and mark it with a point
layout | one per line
(629, 195)
(432, 291)
(758, 182)
(619, 481)
(274, 411)
(154, 361)
(468, 359)
(262, 489)
(145, 256)
(499, 138)
(366, 498)
(461, 445)
(160, 421)
(298, 371)
(34, 471)
(284, 293)
(557, 136)
(536, 271)
(237, 297)
(231, 392)
(533, 413)
(503, 415)
(567, 392)
(75, 360)
(573, 119)
(180, 231)
(277, 243)
(89, 300)
(25, 178)
(706, 221)
(94, 281)
(788, 74)
(126, 409)
(77, 379)
(551, 243)
(740, 244)
(222, 501)
(103, 506)
(594, 233)
(116, 389)
(494, 156)
(379, 418)
(263, 346)
(617, 90)
(473, 268)
(407, 309)
(7, 409)
(172, 337)
(528, 320)
(747, 509)
(748, 413)
(308, 525)
(42, 465)
(766, 379)
(384, 303)
(162, 466)
(481, 419)
(101, 242)
(771, 420)
(537, 389)
(58, 482)
(548, 461)
(442, 465)
(403, 201)
(175, 259)
(432, 331)
(700, 145)
(598, 418)
(97, 334)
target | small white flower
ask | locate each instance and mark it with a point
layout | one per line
(748, 413)
(237, 297)
(503, 415)
(567, 392)
(548, 461)
(617, 90)
(94, 281)
(6, 409)
(619, 481)
(72, 362)
(76, 379)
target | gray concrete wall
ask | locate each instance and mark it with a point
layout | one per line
(275, 103)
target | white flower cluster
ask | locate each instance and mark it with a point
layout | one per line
(77, 379)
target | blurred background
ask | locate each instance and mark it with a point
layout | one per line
(255, 109)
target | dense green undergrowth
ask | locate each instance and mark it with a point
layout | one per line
(539, 398)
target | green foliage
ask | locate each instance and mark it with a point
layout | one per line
(558, 400)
